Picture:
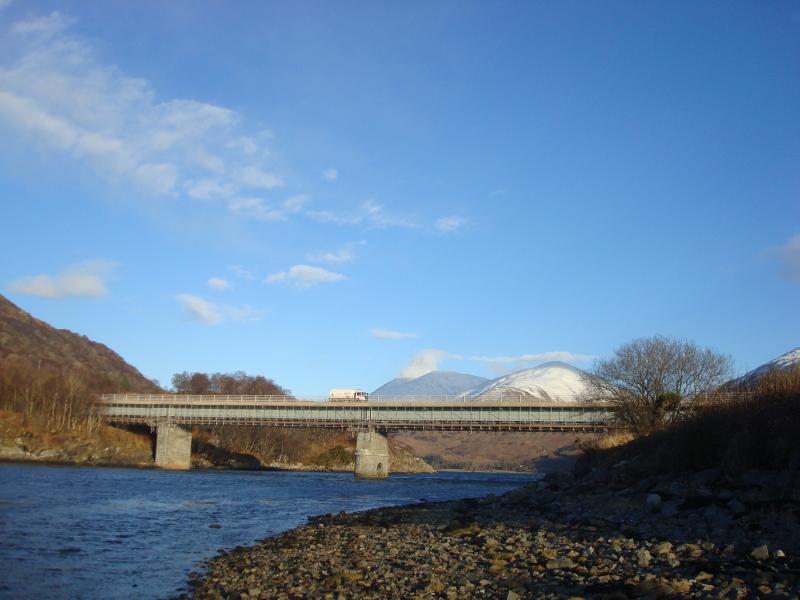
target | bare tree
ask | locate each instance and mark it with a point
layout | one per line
(649, 379)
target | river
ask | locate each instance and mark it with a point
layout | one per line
(82, 532)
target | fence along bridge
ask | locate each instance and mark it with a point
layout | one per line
(173, 416)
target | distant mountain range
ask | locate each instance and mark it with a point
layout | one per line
(435, 383)
(784, 362)
(547, 382)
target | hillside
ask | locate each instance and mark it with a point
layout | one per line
(29, 343)
(785, 362)
(435, 383)
(48, 377)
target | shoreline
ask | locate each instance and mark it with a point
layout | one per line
(694, 535)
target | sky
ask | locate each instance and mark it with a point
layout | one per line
(335, 194)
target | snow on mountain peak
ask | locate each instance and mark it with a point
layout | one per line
(783, 362)
(551, 381)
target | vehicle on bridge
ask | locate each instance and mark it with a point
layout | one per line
(348, 395)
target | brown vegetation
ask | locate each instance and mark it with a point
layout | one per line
(756, 429)
(649, 381)
(53, 374)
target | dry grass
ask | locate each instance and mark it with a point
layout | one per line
(757, 430)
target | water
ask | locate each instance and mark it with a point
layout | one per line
(72, 532)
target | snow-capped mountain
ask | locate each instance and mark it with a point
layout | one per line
(435, 383)
(551, 381)
(784, 362)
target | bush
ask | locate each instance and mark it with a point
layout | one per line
(757, 429)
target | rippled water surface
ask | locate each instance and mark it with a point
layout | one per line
(70, 532)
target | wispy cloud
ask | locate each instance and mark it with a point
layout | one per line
(527, 358)
(86, 279)
(218, 284)
(424, 361)
(388, 334)
(450, 224)
(243, 272)
(305, 276)
(343, 255)
(58, 94)
(428, 360)
(370, 214)
(789, 256)
(212, 313)
(5, 3)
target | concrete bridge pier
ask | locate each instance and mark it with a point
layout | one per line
(173, 447)
(372, 455)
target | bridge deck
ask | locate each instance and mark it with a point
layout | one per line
(436, 413)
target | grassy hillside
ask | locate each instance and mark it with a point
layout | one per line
(29, 344)
(757, 430)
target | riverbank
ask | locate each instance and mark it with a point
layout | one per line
(692, 535)
(27, 439)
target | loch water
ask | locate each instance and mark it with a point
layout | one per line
(82, 532)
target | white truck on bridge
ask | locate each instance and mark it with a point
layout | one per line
(347, 395)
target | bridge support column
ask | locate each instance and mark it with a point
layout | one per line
(173, 447)
(372, 455)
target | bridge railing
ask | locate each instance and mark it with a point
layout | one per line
(268, 399)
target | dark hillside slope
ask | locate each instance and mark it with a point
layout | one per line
(29, 343)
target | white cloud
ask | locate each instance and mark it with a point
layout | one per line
(256, 208)
(254, 177)
(424, 362)
(87, 280)
(295, 204)
(212, 313)
(330, 174)
(789, 255)
(388, 334)
(46, 26)
(305, 276)
(209, 189)
(218, 284)
(56, 93)
(242, 272)
(370, 214)
(5, 3)
(428, 360)
(199, 309)
(450, 224)
(527, 358)
(343, 255)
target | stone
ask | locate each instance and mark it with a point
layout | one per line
(561, 563)
(760, 553)
(653, 503)
(643, 558)
(662, 549)
(512, 595)
(779, 554)
(736, 506)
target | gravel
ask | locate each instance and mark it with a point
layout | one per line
(558, 538)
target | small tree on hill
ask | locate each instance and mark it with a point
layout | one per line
(648, 380)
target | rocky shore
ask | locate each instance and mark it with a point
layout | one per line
(698, 535)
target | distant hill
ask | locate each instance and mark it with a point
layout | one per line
(784, 362)
(435, 383)
(551, 381)
(27, 342)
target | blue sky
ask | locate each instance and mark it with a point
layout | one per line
(331, 194)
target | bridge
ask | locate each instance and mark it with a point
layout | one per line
(173, 416)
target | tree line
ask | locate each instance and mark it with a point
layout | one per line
(233, 384)
(61, 399)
